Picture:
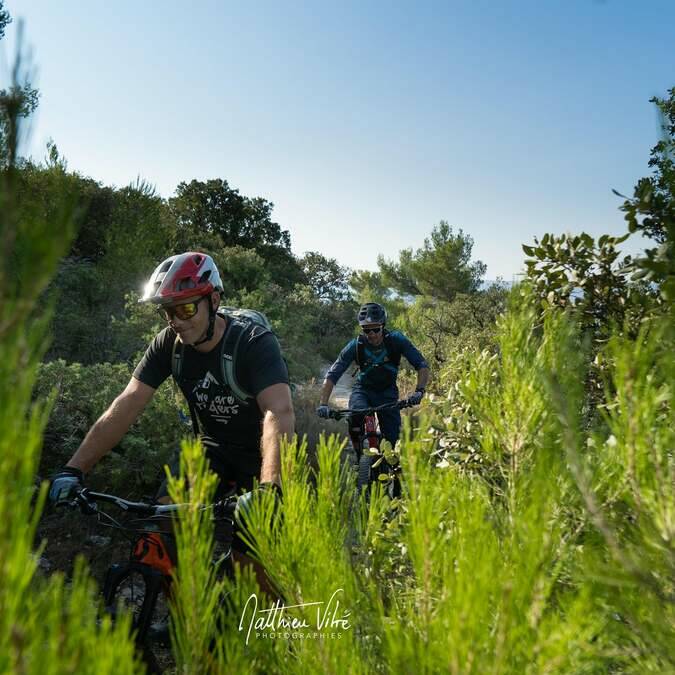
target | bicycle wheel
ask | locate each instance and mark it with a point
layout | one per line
(363, 475)
(390, 476)
(139, 589)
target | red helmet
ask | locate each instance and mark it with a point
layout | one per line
(181, 277)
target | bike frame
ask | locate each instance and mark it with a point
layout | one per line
(149, 558)
(370, 431)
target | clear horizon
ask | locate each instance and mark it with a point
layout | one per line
(365, 126)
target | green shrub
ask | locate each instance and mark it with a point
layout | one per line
(307, 424)
(553, 553)
(626, 474)
(82, 394)
(441, 329)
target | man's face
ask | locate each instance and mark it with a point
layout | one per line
(374, 333)
(189, 319)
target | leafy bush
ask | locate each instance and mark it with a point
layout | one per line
(131, 333)
(582, 275)
(651, 210)
(441, 329)
(576, 271)
(81, 394)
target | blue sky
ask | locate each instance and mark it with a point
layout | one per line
(365, 123)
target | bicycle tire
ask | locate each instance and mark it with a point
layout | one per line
(393, 488)
(138, 588)
(363, 474)
(147, 654)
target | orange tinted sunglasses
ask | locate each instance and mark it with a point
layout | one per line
(183, 312)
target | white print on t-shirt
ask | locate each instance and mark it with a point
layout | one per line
(207, 381)
(221, 407)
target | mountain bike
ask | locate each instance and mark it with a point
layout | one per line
(142, 584)
(372, 465)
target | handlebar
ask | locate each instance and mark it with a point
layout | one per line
(87, 501)
(339, 414)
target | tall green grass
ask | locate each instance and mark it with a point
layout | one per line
(552, 554)
(46, 625)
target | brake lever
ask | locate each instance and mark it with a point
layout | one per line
(86, 507)
(225, 508)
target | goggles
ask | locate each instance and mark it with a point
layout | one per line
(183, 312)
(375, 331)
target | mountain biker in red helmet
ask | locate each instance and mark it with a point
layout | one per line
(241, 438)
(377, 352)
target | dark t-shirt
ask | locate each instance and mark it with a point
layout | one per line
(224, 420)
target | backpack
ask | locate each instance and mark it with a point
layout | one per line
(393, 352)
(239, 323)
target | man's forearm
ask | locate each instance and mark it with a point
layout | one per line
(326, 391)
(106, 433)
(276, 425)
(422, 378)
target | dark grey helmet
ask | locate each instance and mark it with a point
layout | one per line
(371, 312)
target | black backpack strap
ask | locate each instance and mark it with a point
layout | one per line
(237, 328)
(177, 358)
(177, 352)
(393, 352)
(360, 351)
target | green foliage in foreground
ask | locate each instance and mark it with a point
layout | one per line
(46, 626)
(552, 552)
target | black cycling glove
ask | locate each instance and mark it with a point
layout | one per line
(416, 397)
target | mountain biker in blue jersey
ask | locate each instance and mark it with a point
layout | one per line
(377, 352)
